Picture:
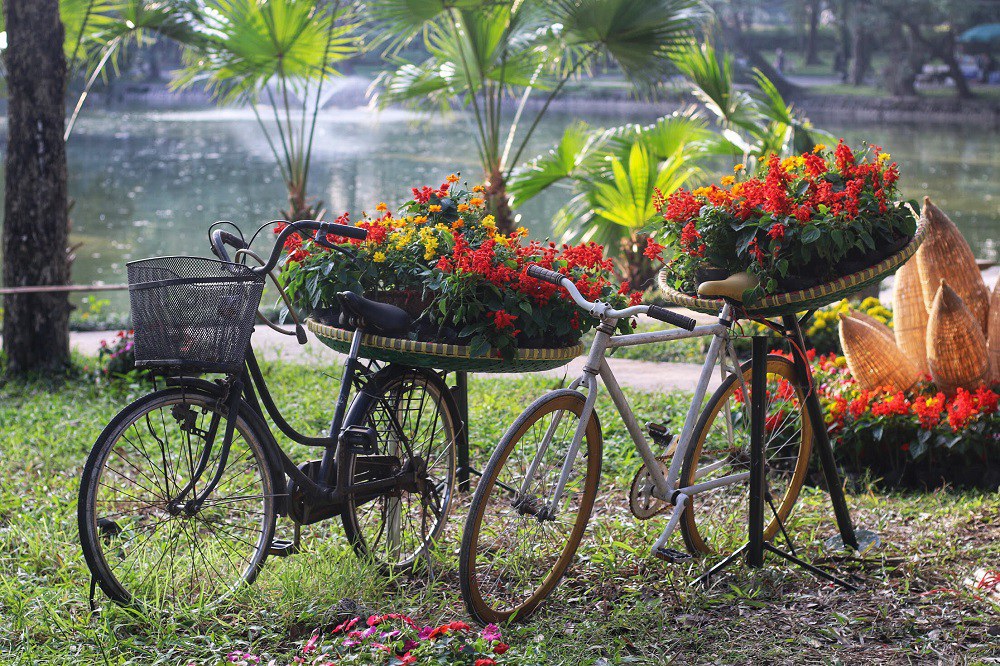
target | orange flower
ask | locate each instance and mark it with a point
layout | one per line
(478, 201)
(457, 224)
(382, 207)
(739, 167)
(462, 208)
(453, 178)
(434, 208)
(728, 180)
(478, 188)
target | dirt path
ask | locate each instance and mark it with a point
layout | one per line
(641, 375)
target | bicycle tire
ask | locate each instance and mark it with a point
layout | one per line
(161, 427)
(715, 521)
(395, 531)
(484, 596)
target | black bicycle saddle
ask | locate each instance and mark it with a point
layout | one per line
(373, 317)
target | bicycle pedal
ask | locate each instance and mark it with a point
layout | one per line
(663, 437)
(282, 547)
(672, 555)
(641, 501)
(360, 440)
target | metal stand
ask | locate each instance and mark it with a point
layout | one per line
(461, 393)
(755, 546)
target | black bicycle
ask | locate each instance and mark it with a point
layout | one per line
(181, 492)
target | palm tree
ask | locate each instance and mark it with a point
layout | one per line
(614, 174)
(482, 54)
(279, 52)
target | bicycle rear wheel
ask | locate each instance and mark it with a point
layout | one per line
(150, 530)
(715, 521)
(513, 552)
(416, 421)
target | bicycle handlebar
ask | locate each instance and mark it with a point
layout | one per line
(222, 238)
(601, 309)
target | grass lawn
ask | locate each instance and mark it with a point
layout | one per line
(617, 605)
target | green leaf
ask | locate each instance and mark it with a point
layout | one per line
(810, 234)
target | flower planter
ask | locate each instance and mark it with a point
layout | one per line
(803, 299)
(442, 356)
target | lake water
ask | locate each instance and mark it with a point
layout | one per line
(149, 183)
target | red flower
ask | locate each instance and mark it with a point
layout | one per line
(500, 648)
(503, 319)
(653, 249)
(682, 206)
(485, 662)
(777, 231)
(689, 240)
(928, 410)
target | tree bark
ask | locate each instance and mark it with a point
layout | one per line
(35, 231)
(860, 56)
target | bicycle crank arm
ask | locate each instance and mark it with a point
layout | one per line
(675, 519)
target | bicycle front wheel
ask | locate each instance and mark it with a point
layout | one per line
(715, 521)
(153, 530)
(416, 422)
(515, 548)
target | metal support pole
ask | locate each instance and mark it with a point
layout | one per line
(461, 393)
(758, 390)
(821, 439)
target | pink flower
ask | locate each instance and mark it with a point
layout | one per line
(310, 644)
(491, 632)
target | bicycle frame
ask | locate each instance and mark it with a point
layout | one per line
(720, 351)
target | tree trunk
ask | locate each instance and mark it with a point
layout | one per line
(734, 35)
(947, 54)
(812, 45)
(499, 203)
(35, 232)
(860, 56)
(845, 42)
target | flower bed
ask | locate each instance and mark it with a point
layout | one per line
(916, 438)
(442, 248)
(801, 221)
(394, 640)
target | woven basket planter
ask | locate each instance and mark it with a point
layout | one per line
(873, 357)
(442, 356)
(946, 255)
(909, 315)
(956, 346)
(805, 299)
(993, 338)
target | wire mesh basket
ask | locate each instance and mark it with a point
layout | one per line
(191, 313)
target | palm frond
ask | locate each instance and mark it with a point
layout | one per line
(711, 74)
(567, 160)
(641, 36)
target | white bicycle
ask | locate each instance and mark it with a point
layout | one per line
(535, 497)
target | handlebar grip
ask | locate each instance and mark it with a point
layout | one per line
(222, 238)
(545, 275)
(357, 233)
(670, 317)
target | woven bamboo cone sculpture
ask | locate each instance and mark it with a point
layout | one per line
(956, 346)
(909, 315)
(993, 339)
(873, 357)
(945, 254)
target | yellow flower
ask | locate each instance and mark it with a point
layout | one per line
(441, 227)
(728, 180)
(477, 201)
(736, 189)
(501, 239)
(819, 147)
(490, 222)
(434, 208)
(840, 361)
(378, 257)
(739, 167)
(382, 207)
(463, 208)
(701, 192)
(453, 178)
(420, 219)
(884, 157)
